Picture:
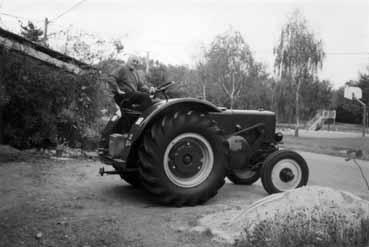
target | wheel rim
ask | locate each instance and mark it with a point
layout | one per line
(188, 160)
(286, 174)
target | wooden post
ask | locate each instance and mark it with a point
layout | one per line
(297, 108)
(46, 24)
(364, 119)
(364, 114)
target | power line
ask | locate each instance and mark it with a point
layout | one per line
(12, 16)
(18, 17)
(339, 53)
(68, 10)
(348, 53)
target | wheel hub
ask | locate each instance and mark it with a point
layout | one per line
(185, 159)
(188, 160)
(286, 175)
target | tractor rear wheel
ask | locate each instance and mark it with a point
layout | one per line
(183, 159)
(132, 178)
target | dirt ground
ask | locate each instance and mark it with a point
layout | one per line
(69, 204)
(48, 202)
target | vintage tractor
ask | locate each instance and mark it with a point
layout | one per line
(182, 149)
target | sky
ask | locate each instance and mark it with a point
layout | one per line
(173, 31)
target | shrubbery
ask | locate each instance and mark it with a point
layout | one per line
(46, 104)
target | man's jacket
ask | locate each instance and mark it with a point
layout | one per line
(130, 80)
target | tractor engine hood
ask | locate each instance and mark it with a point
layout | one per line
(234, 120)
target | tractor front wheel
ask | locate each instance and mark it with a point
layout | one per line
(284, 170)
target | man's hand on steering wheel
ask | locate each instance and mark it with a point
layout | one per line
(152, 90)
(161, 89)
(120, 92)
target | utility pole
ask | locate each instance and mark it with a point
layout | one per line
(47, 22)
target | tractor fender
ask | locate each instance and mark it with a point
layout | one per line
(156, 110)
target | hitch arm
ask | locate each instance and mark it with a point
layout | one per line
(102, 172)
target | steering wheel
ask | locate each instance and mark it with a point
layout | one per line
(162, 88)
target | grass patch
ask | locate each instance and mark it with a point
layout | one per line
(332, 146)
(308, 228)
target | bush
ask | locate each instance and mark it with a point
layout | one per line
(46, 104)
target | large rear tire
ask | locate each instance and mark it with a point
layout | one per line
(132, 178)
(183, 159)
(284, 170)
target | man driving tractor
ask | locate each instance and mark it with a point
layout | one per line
(130, 91)
(130, 86)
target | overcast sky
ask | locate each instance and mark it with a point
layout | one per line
(173, 31)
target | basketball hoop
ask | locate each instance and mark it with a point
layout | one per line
(355, 93)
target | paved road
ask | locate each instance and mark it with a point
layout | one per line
(337, 173)
(322, 133)
(325, 170)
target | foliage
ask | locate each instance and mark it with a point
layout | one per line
(363, 83)
(31, 32)
(298, 52)
(158, 73)
(252, 86)
(86, 47)
(349, 111)
(46, 103)
(298, 55)
(229, 64)
(316, 96)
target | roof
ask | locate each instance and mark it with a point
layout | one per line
(22, 45)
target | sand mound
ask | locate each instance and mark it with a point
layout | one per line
(8, 154)
(313, 215)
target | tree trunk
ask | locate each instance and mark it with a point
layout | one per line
(204, 91)
(297, 108)
(233, 90)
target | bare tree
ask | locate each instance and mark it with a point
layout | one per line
(229, 62)
(298, 55)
